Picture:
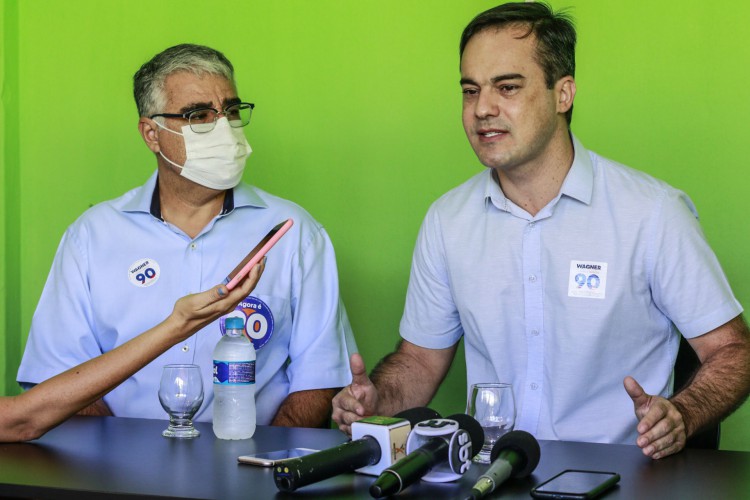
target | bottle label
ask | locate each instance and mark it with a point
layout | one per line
(234, 372)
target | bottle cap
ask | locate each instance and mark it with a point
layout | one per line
(234, 323)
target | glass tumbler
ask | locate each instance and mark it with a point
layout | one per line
(493, 406)
(181, 395)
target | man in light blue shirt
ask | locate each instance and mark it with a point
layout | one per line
(565, 273)
(122, 264)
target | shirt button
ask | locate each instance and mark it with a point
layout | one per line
(185, 348)
(534, 332)
(531, 225)
(534, 386)
(193, 245)
(532, 278)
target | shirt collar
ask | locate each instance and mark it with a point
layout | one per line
(146, 198)
(578, 183)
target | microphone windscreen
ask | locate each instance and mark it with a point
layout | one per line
(470, 425)
(418, 414)
(525, 445)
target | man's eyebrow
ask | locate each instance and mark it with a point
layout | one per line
(202, 105)
(495, 79)
(508, 76)
(195, 105)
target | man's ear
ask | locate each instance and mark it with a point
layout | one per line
(149, 131)
(566, 92)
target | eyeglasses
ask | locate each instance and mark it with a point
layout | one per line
(203, 120)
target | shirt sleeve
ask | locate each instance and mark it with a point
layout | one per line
(321, 340)
(61, 334)
(688, 284)
(431, 318)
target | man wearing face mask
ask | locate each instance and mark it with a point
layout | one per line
(122, 264)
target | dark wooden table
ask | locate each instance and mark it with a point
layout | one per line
(92, 457)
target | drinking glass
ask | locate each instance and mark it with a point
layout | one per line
(493, 406)
(181, 394)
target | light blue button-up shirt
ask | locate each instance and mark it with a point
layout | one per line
(119, 270)
(566, 303)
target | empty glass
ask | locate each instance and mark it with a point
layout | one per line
(181, 395)
(493, 406)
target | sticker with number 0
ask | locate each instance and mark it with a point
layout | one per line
(144, 272)
(588, 279)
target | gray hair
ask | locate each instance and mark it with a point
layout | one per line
(148, 81)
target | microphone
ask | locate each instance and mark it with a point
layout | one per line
(392, 444)
(439, 450)
(515, 454)
(377, 443)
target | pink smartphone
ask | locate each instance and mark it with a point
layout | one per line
(257, 253)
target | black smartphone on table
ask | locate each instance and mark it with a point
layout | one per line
(574, 484)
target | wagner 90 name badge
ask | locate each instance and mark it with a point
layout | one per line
(144, 272)
(587, 279)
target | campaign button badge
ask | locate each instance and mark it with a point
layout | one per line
(258, 319)
(144, 272)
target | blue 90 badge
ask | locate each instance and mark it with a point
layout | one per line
(144, 272)
(587, 279)
(258, 320)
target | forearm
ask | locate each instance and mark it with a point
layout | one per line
(306, 409)
(410, 376)
(81, 388)
(718, 388)
(97, 409)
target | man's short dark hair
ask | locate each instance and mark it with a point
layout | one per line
(554, 32)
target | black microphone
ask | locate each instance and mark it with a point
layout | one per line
(445, 445)
(375, 445)
(516, 455)
(418, 414)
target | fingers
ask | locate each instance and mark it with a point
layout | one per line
(250, 281)
(636, 392)
(219, 299)
(642, 404)
(219, 292)
(244, 288)
(662, 430)
(357, 400)
(195, 311)
(360, 397)
(345, 410)
(359, 373)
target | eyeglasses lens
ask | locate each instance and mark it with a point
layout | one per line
(204, 120)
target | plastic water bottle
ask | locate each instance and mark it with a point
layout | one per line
(234, 383)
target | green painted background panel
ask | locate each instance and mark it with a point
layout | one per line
(10, 340)
(358, 120)
(3, 149)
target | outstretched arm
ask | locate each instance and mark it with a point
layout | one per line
(31, 414)
(404, 379)
(718, 388)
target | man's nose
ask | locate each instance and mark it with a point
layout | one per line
(486, 105)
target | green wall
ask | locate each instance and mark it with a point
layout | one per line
(358, 120)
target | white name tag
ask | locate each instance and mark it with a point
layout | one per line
(587, 279)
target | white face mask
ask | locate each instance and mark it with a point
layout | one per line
(214, 159)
